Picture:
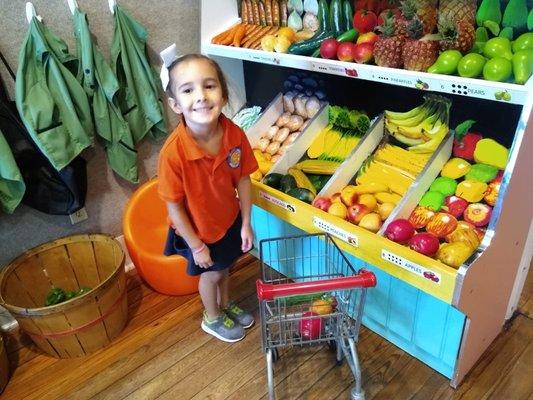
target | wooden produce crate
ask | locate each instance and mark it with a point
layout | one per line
(84, 323)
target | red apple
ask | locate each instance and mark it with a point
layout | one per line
(368, 37)
(363, 52)
(345, 51)
(328, 49)
(420, 217)
(322, 202)
(357, 212)
(441, 224)
(364, 21)
(424, 243)
(478, 214)
(456, 205)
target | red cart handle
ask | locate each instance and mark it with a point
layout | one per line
(268, 291)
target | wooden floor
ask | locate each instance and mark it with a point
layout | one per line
(164, 354)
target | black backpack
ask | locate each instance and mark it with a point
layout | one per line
(48, 190)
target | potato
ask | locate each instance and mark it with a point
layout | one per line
(273, 148)
(263, 144)
(271, 133)
(282, 134)
(283, 119)
(295, 123)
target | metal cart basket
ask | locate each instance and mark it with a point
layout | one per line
(310, 294)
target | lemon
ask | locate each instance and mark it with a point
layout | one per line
(268, 42)
(288, 33)
(282, 44)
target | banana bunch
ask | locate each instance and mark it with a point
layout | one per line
(423, 127)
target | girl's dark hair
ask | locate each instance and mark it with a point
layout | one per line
(189, 57)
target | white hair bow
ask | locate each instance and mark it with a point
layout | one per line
(168, 55)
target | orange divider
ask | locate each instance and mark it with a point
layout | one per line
(145, 230)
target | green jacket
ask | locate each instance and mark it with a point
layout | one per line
(12, 185)
(139, 101)
(101, 86)
(50, 101)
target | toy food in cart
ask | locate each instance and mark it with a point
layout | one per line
(310, 325)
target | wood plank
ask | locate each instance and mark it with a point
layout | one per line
(161, 351)
(82, 257)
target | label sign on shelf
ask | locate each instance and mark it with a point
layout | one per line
(277, 202)
(410, 266)
(333, 230)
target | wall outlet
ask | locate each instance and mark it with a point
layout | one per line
(78, 216)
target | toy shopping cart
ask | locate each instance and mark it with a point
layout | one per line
(310, 294)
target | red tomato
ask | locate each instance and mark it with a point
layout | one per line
(370, 5)
(310, 327)
(364, 21)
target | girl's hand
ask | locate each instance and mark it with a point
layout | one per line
(203, 258)
(247, 236)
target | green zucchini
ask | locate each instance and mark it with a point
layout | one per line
(348, 36)
(323, 15)
(287, 183)
(347, 11)
(336, 17)
(273, 180)
(307, 47)
(302, 194)
(301, 298)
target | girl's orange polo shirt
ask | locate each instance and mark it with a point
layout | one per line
(206, 183)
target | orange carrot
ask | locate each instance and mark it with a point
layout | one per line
(239, 35)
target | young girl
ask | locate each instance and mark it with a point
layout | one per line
(203, 163)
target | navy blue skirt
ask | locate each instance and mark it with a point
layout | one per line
(224, 252)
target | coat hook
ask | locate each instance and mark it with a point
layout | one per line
(112, 4)
(30, 12)
(73, 5)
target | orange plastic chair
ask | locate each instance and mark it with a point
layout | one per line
(145, 231)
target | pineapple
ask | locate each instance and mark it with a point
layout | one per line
(457, 35)
(419, 51)
(458, 10)
(388, 47)
(425, 10)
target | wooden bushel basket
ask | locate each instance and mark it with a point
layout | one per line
(83, 324)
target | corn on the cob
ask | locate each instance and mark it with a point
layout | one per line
(302, 181)
(318, 167)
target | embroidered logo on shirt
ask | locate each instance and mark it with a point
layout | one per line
(234, 157)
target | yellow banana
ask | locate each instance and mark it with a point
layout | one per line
(403, 115)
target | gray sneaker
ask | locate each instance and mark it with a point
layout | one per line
(237, 314)
(223, 328)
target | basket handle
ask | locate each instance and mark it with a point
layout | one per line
(269, 291)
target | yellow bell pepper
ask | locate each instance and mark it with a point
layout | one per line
(471, 191)
(455, 168)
